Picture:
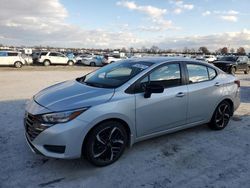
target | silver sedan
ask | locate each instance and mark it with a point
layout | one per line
(101, 113)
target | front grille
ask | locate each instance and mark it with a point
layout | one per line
(32, 126)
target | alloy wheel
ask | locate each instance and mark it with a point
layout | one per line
(108, 144)
(222, 116)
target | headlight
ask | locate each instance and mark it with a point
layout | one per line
(61, 117)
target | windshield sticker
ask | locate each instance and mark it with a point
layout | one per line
(140, 66)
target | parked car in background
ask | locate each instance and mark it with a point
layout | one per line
(50, 58)
(28, 59)
(93, 60)
(11, 58)
(210, 58)
(35, 56)
(100, 114)
(80, 57)
(201, 58)
(231, 64)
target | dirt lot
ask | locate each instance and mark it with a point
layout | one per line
(196, 157)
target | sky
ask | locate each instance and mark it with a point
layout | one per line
(168, 24)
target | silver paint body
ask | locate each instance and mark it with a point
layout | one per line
(146, 117)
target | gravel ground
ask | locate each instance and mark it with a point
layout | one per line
(197, 157)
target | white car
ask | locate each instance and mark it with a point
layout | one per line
(11, 58)
(79, 58)
(113, 59)
(93, 61)
(49, 58)
(210, 58)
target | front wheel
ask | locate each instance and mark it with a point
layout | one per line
(106, 143)
(221, 116)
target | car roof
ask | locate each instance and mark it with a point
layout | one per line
(9, 51)
(159, 59)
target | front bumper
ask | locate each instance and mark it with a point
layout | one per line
(63, 140)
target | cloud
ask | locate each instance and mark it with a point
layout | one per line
(213, 41)
(177, 10)
(229, 18)
(156, 16)
(148, 9)
(180, 6)
(230, 15)
(32, 22)
(206, 13)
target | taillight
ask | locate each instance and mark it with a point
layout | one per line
(237, 82)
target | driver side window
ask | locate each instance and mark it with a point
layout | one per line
(167, 76)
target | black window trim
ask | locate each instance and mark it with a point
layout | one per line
(132, 87)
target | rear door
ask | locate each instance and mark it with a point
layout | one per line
(63, 59)
(165, 110)
(12, 58)
(204, 91)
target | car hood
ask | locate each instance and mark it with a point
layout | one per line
(72, 95)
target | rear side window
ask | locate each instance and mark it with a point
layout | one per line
(53, 54)
(197, 73)
(12, 54)
(43, 53)
(200, 73)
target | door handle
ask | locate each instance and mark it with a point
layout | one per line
(217, 84)
(180, 94)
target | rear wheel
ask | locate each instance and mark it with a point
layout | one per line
(18, 64)
(247, 70)
(221, 116)
(233, 70)
(106, 143)
(92, 64)
(46, 63)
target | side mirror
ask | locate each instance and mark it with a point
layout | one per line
(153, 88)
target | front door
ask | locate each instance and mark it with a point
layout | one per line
(165, 110)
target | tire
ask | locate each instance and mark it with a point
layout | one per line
(46, 63)
(70, 63)
(92, 64)
(247, 70)
(18, 64)
(221, 116)
(233, 70)
(105, 143)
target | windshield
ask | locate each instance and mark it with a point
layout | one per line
(115, 74)
(230, 58)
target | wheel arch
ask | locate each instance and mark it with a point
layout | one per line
(46, 60)
(230, 101)
(123, 122)
(70, 60)
(18, 61)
